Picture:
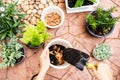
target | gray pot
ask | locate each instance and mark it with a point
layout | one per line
(96, 35)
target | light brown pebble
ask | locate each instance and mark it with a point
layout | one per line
(38, 0)
(31, 2)
(34, 11)
(22, 12)
(49, 0)
(27, 16)
(61, 1)
(25, 3)
(31, 6)
(43, 1)
(37, 3)
(25, 8)
(56, 4)
(33, 20)
(51, 4)
(55, 1)
(29, 11)
(41, 6)
(61, 5)
(31, 15)
(37, 20)
(37, 16)
(26, 22)
(39, 12)
(46, 5)
(36, 6)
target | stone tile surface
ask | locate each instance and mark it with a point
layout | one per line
(73, 30)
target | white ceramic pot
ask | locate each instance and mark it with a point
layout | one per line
(55, 9)
(82, 8)
(63, 43)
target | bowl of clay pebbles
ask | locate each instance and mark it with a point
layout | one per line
(53, 16)
(56, 48)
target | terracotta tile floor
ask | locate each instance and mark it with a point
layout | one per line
(74, 31)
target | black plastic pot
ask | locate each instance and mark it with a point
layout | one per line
(21, 59)
(96, 35)
(41, 45)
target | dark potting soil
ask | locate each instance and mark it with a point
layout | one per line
(99, 31)
(71, 3)
(56, 50)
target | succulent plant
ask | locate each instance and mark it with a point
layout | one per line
(101, 52)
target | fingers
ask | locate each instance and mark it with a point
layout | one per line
(45, 53)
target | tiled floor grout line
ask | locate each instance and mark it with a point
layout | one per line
(52, 76)
(114, 64)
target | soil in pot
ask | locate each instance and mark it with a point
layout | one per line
(71, 3)
(75, 57)
(56, 54)
(18, 61)
(59, 54)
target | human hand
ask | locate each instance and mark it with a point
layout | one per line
(44, 61)
(102, 72)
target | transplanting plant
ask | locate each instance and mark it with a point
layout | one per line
(102, 52)
(100, 22)
(35, 35)
(11, 53)
(10, 20)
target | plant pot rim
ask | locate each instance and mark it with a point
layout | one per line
(42, 44)
(63, 43)
(55, 9)
(82, 8)
(96, 35)
(23, 57)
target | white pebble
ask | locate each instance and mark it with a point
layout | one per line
(34, 11)
(43, 1)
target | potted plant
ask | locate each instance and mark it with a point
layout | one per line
(55, 59)
(100, 23)
(35, 36)
(12, 53)
(10, 20)
(101, 52)
(73, 6)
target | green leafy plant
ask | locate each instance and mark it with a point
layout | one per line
(102, 52)
(101, 21)
(79, 3)
(10, 53)
(35, 35)
(10, 20)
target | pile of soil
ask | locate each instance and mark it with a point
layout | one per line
(56, 54)
(71, 3)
